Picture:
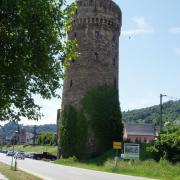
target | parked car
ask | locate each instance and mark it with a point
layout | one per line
(29, 154)
(10, 153)
(3, 151)
(19, 155)
(44, 155)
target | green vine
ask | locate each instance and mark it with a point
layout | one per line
(101, 104)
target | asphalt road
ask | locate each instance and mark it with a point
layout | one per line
(50, 171)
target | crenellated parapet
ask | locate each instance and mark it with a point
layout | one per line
(96, 21)
(98, 12)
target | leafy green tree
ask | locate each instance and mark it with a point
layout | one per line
(102, 105)
(46, 138)
(33, 53)
(168, 145)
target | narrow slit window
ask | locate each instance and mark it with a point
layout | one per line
(114, 61)
(75, 34)
(114, 38)
(71, 83)
(115, 84)
(97, 34)
(95, 56)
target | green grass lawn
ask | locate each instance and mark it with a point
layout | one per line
(31, 148)
(162, 170)
(16, 175)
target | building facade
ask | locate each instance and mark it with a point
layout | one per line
(96, 26)
(140, 132)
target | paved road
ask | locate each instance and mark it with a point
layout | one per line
(50, 171)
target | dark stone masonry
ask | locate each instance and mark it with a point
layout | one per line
(96, 27)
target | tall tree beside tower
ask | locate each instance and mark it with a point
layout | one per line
(33, 53)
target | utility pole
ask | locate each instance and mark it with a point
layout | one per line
(161, 108)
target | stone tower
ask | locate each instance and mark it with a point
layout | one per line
(96, 27)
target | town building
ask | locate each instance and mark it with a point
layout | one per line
(140, 132)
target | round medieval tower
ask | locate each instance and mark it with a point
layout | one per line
(96, 27)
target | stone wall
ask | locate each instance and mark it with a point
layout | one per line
(96, 27)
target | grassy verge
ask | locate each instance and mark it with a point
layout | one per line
(162, 170)
(30, 148)
(15, 175)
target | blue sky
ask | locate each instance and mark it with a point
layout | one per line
(149, 55)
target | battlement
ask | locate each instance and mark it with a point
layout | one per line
(106, 4)
(99, 21)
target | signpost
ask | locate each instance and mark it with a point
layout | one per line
(131, 151)
(117, 146)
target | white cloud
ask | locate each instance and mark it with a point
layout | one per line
(177, 50)
(174, 30)
(141, 27)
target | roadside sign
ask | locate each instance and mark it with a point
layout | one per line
(116, 145)
(131, 151)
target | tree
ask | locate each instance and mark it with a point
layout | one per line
(46, 138)
(168, 145)
(33, 53)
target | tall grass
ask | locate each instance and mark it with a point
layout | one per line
(160, 170)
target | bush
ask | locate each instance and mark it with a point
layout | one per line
(167, 145)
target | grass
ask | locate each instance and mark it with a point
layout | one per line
(15, 175)
(149, 168)
(31, 148)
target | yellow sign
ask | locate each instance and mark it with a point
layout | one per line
(116, 145)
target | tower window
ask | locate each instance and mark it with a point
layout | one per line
(76, 11)
(75, 34)
(73, 60)
(114, 38)
(95, 56)
(71, 83)
(115, 84)
(97, 34)
(114, 61)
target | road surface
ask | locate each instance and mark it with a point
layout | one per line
(51, 171)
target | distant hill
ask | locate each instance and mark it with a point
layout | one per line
(11, 127)
(171, 113)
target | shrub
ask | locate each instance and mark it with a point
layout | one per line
(167, 145)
